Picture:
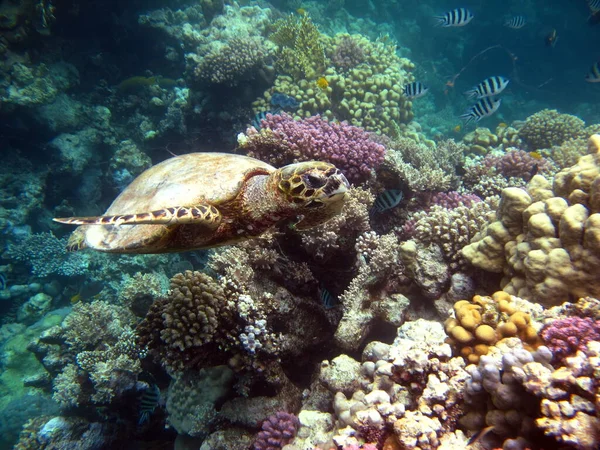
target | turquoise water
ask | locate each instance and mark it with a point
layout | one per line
(333, 224)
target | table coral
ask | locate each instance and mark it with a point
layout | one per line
(545, 238)
(348, 147)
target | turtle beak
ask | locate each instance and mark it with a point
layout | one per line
(337, 185)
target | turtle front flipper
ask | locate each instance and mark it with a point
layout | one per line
(206, 215)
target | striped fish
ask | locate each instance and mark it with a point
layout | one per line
(593, 75)
(487, 88)
(328, 300)
(2, 282)
(148, 403)
(458, 17)
(517, 22)
(387, 200)
(594, 6)
(483, 108)
(415, 90)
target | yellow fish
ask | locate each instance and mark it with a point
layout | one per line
(536, 155)
(76, 298)
(301, 11)
(502, 125)
(323, 83)
(457, 129)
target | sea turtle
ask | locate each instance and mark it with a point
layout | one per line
(203, 200)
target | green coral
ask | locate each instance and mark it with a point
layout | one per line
(301, 52)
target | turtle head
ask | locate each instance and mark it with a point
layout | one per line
(315, 190)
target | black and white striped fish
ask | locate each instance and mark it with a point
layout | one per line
(148, 403)
(483, 108)
(517, 22)
(594, 6)
(593, 75)
(487, 88)
(414, 90)
(387, 200)
(458, 17)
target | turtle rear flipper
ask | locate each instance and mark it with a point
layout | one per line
(202, 214)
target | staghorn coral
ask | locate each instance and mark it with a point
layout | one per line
(548, 128)
(348, 147)
(545, 238)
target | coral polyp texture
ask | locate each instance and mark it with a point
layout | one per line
(283, 140)
(546, 237)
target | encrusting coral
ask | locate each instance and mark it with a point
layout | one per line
(549, 127)
(546, 238)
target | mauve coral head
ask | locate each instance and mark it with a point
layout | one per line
(346, 146)
(564, 337)
(278, 430)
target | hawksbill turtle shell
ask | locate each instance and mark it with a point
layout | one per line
(202, 200)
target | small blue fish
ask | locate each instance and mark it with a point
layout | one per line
(328, 300)
(2, 282)
(256, 121)
(387, 200)
(284, 101)
(148, 403)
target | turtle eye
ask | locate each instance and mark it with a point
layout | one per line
(314, 181)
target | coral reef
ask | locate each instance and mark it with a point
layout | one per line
(277, 431)
(548, 128)
(545, 237)
(481, 322)
(564, 337)
(283, 140)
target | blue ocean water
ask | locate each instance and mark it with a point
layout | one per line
(194, 294)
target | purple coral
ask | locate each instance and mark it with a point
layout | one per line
(448, 200)
(348, 147)
(278, 430)
(347, 54)
(516, 163)
(565, 336)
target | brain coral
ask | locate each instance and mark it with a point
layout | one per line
(283, 140)
(546, 238)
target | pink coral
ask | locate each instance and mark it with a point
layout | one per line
(277, 431)
(348, 147)
(565, 336)
(448, 200)
(516, 163)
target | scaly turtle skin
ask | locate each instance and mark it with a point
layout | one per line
(203, 200)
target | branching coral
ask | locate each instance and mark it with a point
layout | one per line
(301, 51)
(422, 167)
(283, 140)
(236, 60)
